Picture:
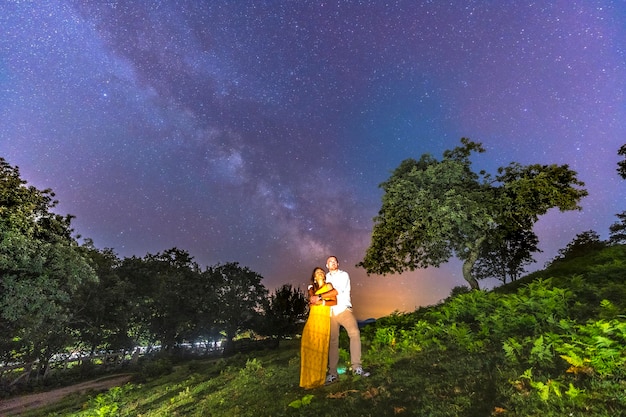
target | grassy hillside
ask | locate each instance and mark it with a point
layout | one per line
(552, 344)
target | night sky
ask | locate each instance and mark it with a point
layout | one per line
(258, 131)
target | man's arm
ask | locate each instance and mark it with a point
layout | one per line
(330, 293)
(330, 296)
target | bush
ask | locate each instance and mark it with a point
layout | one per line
(154, 367)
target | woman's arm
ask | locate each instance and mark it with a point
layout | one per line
(326, 295)
(327, 291)
(313, 297)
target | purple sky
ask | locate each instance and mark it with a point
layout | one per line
(258, 132)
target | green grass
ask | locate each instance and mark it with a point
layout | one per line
(551, 345)
(267, 385)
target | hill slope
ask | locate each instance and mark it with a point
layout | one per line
(549, 345)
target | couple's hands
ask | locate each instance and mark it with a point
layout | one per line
(316, 300)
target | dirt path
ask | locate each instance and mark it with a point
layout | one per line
(16, 406)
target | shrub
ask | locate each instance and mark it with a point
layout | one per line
(155, 367)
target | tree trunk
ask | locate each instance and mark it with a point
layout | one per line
(467, 274)
(468, 264)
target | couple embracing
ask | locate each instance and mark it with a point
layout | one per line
(330, 308)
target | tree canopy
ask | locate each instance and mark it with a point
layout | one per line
(435, 209)
(41, 269)
(57, 295)
(241, 297)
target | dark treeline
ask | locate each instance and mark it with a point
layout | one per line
(57, 295)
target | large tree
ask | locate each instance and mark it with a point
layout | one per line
(170, 295)
(41, 268)
(104, 310)
(433, 210)
(241, 297)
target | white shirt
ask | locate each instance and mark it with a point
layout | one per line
(341, 282)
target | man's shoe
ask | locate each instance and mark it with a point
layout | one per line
(360, 372)
(331, 379)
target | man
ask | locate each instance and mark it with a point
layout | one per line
(341, 315)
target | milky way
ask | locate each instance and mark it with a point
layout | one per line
(258, 132)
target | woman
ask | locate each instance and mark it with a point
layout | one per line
(316, 333)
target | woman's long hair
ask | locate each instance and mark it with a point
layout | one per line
(313, 281)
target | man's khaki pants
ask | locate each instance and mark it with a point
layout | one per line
(347, 320)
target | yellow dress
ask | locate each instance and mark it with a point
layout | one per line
(314, 346)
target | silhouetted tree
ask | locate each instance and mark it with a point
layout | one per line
(286, 311)
(584, 243)
(617, 231)
(459, 290)
(505, 257)
(621, 165)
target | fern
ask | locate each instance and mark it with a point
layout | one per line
(306, 400)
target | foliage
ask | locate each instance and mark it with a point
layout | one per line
(476, 320)
(505, 258)
(172, 300)
(179, 293)
(433, 210)
(584, 242)
(617, 231)
(458, 290)
(528, 349)
(548, 344)
(107, 404)
(41, 269)
(592, 277)
(154, 367)
(58, 297)
(103, 309)
(593, 355)
(241, 297)
(285, 312)
(621, 165)
(301, 402)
